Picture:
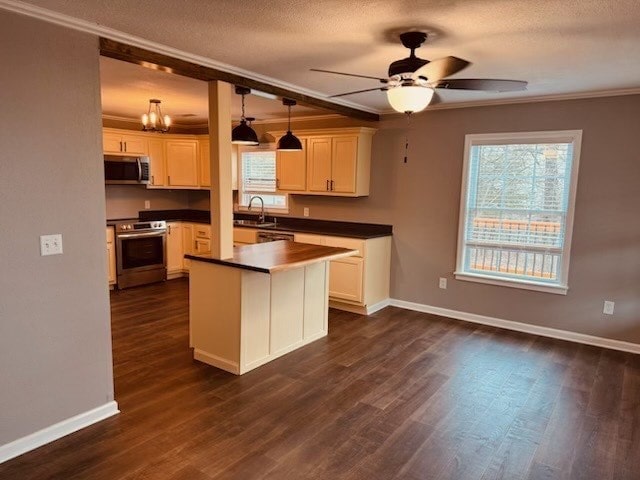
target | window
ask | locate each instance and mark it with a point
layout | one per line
(516, 212)
(258, 177)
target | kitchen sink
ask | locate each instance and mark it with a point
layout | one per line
(253, 223)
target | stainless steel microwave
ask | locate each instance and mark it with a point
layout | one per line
(122, 170)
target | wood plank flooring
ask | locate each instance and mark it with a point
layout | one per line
(398, 394)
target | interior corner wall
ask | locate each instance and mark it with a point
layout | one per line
(421, 199)
(55, 339)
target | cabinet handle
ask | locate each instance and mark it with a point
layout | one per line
(121, 147)
(168, 179)
(153, 182)
(332, 185)
(327, 185)
(169, 229)
(125, 146)
(277, 183)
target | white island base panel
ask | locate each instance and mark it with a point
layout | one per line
(241, 319)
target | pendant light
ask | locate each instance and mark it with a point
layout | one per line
(153, 120)
(289, 142)
(243, 134)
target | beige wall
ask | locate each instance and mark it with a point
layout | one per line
(125, 201)
(421, 200)
(55, 341)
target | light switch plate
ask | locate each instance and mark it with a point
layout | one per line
(147, 204)
(305, 211)
(608, 307)
(442, 283)
(51, 244)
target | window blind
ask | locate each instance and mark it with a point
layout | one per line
(517, 202)
(259, 171)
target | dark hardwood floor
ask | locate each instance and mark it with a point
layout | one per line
(395, 395)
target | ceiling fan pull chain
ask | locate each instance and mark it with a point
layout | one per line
(406, 137)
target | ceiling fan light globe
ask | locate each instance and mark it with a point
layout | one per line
(289, 143)
(410, 98)
(243, 134)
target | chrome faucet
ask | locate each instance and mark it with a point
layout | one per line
(261, 217)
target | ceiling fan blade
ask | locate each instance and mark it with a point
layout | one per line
(383, 80)
(358, 91)
(486, 84)
(440, 68)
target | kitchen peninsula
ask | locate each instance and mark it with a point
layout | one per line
(267, 300)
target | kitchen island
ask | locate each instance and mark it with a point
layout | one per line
(267, 300)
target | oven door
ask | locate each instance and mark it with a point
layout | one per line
(140, 251)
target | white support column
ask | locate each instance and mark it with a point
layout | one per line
(221, 175)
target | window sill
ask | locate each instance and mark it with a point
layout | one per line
(522, 284)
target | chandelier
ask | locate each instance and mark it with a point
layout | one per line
(153, 120)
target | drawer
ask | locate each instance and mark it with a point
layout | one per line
(202, 231)
(110, 234)
(245, 235)
(350, 243)
(308, 238)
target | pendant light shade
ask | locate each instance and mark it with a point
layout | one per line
(409, 98)
(289, 142)
(243, 134)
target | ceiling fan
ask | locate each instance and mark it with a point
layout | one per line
(412, 81)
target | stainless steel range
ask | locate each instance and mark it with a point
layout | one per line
(141, 253)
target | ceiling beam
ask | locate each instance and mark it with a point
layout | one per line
(147, 58)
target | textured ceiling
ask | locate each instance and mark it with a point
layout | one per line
(127, 88)
(559, 46)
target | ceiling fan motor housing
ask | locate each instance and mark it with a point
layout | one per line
(412, 41)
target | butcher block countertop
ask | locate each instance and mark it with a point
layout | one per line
(276, 256)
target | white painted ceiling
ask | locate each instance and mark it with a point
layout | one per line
(127, 88)
(559, 46)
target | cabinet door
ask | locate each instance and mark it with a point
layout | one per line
(205, 164)
(187, 243)
(174, 247)
(345, 279)
(344, 160)
(182, 163)
(134, 144)
(319, 163)
(158, 167)
(291, 169)
(112, 143)
(202, 246)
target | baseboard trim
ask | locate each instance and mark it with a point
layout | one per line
(216, 361)
(378, 306)
(520, 327)
(56, 431)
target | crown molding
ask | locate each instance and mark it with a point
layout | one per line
(307, 118)
(117, 118)
(68, 21)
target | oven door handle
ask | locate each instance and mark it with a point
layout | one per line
(147, 234)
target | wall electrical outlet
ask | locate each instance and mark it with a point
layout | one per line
(147, 204)
(51, 244)
(305, 211)
(443, 283)
(608, 307)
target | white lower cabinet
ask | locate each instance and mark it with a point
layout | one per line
(359, 282)
(345, 279)
(185, 238)
(111, 256)
(175, 252)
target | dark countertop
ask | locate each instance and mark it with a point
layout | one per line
(276, 256)
(284, 223)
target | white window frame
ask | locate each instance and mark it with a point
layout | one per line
(556, 136)
(245, 208)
